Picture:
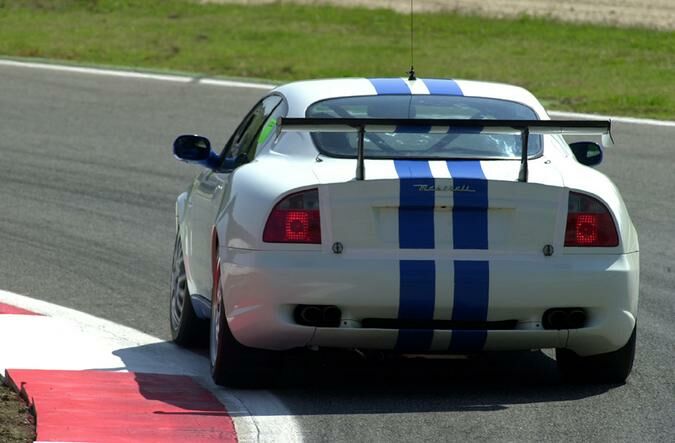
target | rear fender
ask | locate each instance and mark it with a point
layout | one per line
(592, 182)
(255, 189)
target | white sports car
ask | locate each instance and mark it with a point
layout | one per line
(413, 216)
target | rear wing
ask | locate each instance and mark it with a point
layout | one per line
(524, 128)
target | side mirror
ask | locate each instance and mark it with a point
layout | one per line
(587, 153)
(194, 149)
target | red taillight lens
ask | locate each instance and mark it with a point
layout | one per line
(295, 219)
(589, 223)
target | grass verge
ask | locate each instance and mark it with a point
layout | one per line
(586, 68)
(16, 422)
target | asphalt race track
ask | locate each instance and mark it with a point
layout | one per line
(87, 222)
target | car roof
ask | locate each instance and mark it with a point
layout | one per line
(300, 95)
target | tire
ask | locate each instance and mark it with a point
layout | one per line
(187, 329)
(233, 364)
(610, 368)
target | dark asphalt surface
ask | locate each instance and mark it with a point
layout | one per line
(87, 221)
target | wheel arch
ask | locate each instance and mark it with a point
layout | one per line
(199, 302)
(215, 244)
(180, 209)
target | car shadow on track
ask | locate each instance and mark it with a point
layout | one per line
(340, 382)
(486, 382)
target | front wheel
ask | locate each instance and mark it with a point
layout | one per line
(186, 328)
(233, 364)
(612, 367)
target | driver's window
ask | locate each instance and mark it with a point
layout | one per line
(246, 134)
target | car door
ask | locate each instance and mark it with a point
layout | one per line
(211, 188)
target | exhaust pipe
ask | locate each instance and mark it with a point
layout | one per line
(310, 315)
(318, 315)
(555, 319)
(576, 318)
(564, 318)
(332, 315)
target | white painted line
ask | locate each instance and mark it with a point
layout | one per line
(98, 71)
(136, 75)
(264, 86)
(636, 121)
(234, 84)
(64, 338)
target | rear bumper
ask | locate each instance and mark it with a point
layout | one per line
(262, 289)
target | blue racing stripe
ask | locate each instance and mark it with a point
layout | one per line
(416, 207)
(469, 213)
(472, 292)
(470, 231)
(442, 87)
(390, 86)
(416, 230)
(416, 303)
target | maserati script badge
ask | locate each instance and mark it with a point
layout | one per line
(446, 188)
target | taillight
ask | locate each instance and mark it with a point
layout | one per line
(589, 223)
(295, 219)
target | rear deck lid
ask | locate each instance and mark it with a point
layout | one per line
(442, 206)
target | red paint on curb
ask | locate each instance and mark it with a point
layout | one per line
(9, 309)
(122, 406)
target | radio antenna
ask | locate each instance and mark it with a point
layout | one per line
(411, 73)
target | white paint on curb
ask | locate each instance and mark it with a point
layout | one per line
(64, 338)
(263, 86)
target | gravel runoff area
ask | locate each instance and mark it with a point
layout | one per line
(16, 422)
(652, 14)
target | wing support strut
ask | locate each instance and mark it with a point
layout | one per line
(360, 162)
(525, 137)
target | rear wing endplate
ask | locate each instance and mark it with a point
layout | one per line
(524, 128)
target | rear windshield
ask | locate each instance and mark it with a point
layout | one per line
(423, 145)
